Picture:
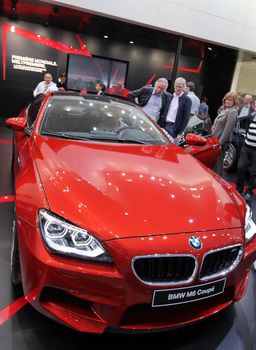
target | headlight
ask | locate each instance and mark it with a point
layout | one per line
(62, 237)
(249, 225)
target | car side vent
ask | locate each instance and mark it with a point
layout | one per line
(221, 261)
(165, 269)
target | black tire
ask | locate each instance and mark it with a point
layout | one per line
(13, 160)
(15, 257)
(230, 158)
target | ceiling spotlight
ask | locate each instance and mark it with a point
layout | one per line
(106, 36)
(209, 48)
(131, 42)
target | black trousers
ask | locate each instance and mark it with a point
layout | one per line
(246, 164)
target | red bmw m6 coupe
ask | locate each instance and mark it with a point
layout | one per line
(116, 228)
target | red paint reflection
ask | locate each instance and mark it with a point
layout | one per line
(12, 309)
(16, 306)
(6, 199)
(7, 142)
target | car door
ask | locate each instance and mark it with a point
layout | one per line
(209, 152)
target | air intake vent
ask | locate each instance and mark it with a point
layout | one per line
(165, 269)
(220, 262)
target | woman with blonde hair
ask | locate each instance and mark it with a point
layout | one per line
(224, 124)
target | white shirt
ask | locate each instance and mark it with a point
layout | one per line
(43, 88)
(173, 109)
(195, 102)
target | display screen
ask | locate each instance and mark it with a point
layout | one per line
(85, 72)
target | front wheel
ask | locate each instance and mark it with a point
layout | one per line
(15, 257)
(230, 158)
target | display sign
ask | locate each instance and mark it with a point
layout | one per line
(167, 297)
(31, 64)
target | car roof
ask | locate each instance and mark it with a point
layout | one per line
(93, 97)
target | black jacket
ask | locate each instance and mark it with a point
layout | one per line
(182, 117)
(61, 84)
(144, 95)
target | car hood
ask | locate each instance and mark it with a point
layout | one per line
(117, 190)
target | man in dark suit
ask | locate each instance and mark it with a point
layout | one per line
(176, 116)
(62, 82)
(153, 100)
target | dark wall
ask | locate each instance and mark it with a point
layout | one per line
(17, 88)
(144, 63)
(219, 70)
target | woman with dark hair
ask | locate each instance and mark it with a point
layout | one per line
(62, 82)
(223, 125)
(100, 88)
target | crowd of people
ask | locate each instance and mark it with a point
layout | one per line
(48, 85)
(172, 111)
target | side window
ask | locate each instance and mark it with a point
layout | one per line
(33, 110)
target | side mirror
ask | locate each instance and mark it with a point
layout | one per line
(18, 124)
(193, 139)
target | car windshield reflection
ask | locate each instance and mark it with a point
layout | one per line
(76, 117)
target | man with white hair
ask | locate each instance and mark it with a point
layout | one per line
(153, 100)
(177, 114)
(246, 108)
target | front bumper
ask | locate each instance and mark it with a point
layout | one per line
(94, 297)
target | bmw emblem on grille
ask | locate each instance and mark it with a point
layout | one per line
(195, 242)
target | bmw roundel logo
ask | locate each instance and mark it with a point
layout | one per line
(195, 242)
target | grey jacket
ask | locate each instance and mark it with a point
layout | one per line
(223, 125)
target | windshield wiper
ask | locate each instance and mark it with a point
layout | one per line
(133, 141)
(92, 138)
(117, 139)
(64, 135)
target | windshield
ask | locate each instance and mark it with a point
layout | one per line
(99, 119)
